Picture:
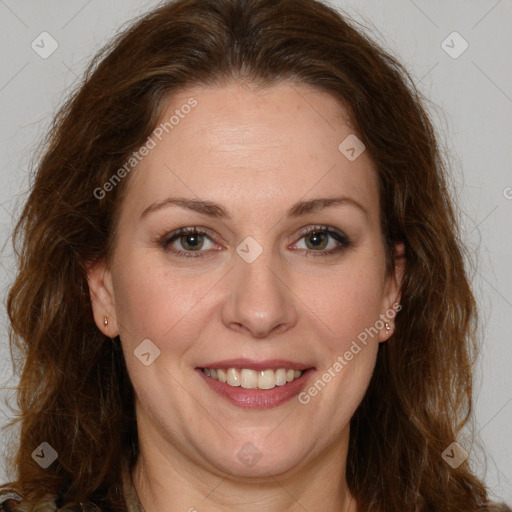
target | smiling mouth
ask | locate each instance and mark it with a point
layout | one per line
(253, 379)
(266, 385)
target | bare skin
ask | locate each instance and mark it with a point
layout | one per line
(256, 153)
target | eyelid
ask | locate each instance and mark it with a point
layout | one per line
(339, 236)
(320, 227)
(167, 239)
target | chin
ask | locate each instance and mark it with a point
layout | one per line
(264, 459)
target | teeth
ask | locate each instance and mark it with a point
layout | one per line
(249, 379)
(233, 377)
(252, 379)
(266, 379)
(280, 377)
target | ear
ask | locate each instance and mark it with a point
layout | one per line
(101, 290)
(391, 303)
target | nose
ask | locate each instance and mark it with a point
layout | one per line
(260, 300)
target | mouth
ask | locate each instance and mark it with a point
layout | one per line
(253, 385)
(252, 379)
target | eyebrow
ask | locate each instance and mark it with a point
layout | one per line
(215, 210)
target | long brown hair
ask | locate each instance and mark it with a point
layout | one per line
(74, 390)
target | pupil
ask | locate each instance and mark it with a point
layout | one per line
(192, 240)
(317, 239)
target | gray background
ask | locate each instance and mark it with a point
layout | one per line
(470, 101)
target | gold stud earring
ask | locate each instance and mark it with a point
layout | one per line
(105, 321)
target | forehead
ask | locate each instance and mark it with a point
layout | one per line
(242, 145)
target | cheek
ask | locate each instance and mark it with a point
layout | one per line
(152, 303)
(163, 305)
(347, 311)
(346, 302)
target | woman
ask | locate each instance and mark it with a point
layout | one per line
(240, 280)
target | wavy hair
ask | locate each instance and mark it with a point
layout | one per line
(74, 391)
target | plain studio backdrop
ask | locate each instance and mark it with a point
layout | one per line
(458, 53)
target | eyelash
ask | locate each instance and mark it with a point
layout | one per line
(166, 241)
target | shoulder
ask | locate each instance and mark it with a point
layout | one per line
(12, 501)
(9, 499)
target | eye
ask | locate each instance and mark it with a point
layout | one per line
(323, 241)
(194, 242)
(191, 239)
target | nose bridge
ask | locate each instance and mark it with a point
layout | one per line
(259, 299)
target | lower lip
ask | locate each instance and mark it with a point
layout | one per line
(258, 398)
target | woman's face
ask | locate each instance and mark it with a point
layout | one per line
(287, 272)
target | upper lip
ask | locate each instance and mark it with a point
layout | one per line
(252, 364)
